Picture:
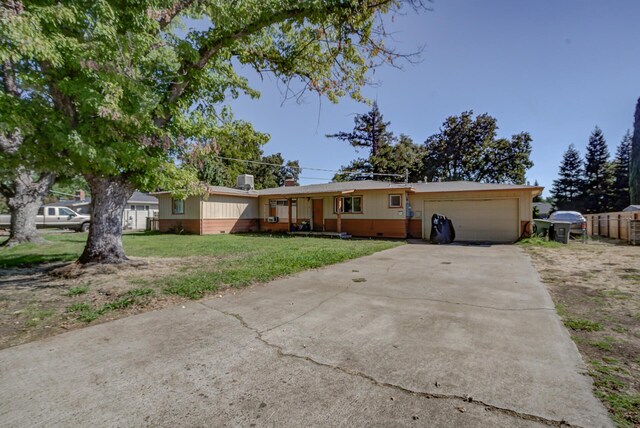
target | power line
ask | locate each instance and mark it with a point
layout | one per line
(303, 167)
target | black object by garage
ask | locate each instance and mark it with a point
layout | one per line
(442, 230)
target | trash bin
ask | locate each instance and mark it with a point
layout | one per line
(541, 227)
(561, 231)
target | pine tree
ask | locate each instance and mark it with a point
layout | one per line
(634, 167)
(567, 189)
(598, 175)
(539, 197)
(621, 198)
(370, 130)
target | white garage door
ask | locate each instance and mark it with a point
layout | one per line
(477, 220)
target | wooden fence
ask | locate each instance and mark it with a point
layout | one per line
(611, 225)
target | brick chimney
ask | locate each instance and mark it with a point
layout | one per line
(79, 195)
(290, 181)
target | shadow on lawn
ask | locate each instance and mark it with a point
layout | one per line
(8, 261)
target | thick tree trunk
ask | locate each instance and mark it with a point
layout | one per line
(109, 196)
(634, 165)
(24, 197)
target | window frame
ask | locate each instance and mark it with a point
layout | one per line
(283, 202)
(399, 195)
(62, 211)
(352, 197)
(173, 206)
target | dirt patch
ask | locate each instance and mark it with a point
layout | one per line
(37, 302)
(596, 289)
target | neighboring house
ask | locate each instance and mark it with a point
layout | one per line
(139, 207)
(479, 211)
(544, 209)
(632, 208)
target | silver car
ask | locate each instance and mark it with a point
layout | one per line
(578, 222)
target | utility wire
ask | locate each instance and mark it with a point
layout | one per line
(310, 169)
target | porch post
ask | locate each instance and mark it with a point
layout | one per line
(339, 214)
(289, 216)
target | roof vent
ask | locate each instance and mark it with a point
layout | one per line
(245, 182)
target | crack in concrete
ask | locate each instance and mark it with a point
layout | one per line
(307, 312)
(495, 308)
(376, 382)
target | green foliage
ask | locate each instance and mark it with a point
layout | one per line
(34, 315)
(539, 197)
(263, 258)
(634, 163)
(621, 163)
(386, 153)
(536, 241)
(370, 132)
(567, 189)
(579, 324)
(76, 291)
(468, 149)
(269, 176)
(121, 90)
(239, 259)
(85, 312)
(598, 175)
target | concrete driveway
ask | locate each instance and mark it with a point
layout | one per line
(418, 335)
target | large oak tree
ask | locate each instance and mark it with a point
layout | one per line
(468, 148)
(134, 82)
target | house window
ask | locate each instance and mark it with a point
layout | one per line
(133, 207)
(280, 208)
(146, 207)
(395, 201)
(350, 204)
(178, 206)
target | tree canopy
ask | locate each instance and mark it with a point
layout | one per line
(598, 175)
(467, 148)
(568, 187)
(634, 162)
(128, 85)
(621, 163)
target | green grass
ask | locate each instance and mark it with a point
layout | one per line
(232, 260)
(536, 241)
(76, 291)
(35, 315)
(635, 277)
(579, 324)
(86, 312)
(625, 407)
(263, 258)
(606, 344)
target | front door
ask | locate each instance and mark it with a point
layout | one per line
(318, 215)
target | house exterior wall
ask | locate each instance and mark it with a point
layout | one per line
(524, 202)
(214, 215)
(191, 208)
(218, 207)
(230, 214)
(375, 220)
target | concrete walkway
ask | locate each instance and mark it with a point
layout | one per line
(418, 335)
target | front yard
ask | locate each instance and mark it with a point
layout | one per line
(596, 289)
(42, 293)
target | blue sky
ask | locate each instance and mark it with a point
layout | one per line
(553, 68)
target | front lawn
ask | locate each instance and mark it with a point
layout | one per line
(596, 289)
(42, 293)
